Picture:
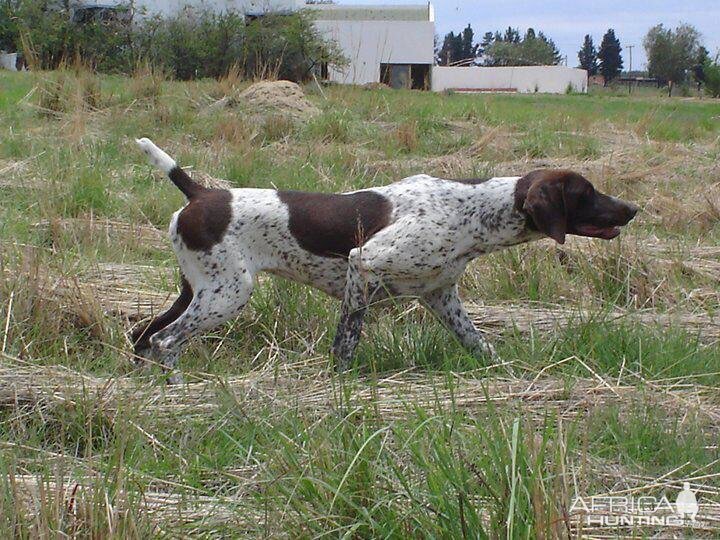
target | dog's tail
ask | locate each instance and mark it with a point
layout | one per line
(167, 164)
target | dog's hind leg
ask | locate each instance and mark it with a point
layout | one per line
(446, 305)
(360, 286)
(213, 303)
(141, 335)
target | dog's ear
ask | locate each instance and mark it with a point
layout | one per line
(550, 200)
(545, 203)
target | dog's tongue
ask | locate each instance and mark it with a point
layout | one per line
(606, 233)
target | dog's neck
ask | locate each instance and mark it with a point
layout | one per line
(499, 213)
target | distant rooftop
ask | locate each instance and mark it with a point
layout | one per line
(334, 12)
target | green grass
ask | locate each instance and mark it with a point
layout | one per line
(418, 440)
(644, 437)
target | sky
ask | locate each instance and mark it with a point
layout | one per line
(567, 22)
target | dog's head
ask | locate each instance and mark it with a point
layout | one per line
(560, 202)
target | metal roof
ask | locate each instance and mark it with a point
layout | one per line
(335, 12)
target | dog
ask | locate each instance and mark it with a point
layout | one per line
(412, 238)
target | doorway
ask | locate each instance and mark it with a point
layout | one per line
(411, 76)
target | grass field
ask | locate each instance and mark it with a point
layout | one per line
(610, 350)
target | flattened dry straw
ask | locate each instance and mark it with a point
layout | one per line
(497, 319)
(119, 289)
(15, 174)
(70, 495)
(23, 382)
(703, 260)
(108, 230)
(126, 290)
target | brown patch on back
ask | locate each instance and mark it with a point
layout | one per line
(203, 222)
(331, 225)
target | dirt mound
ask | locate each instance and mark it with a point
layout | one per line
(284, 97)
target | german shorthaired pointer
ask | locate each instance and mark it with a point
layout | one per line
(411, 238)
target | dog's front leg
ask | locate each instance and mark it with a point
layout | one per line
(446, 305)
(352, 313)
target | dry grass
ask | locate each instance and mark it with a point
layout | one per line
(498, 319)
(73, 500)
(274, 97)
(169, 503)
(89, 294)
(25, 384)
(147, 82)
(17, 175)
(93, 229)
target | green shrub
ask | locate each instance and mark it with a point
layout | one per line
(195, 43)
(192, 44)
(286, 47)
(712, 78)
(8, 26)
(48, 37)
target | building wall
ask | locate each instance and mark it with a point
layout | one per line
(172, 7)
(368, 43)
(545, 79)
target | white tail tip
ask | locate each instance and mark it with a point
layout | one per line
(156, 156)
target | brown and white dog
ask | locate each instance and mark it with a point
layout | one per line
(412, 238)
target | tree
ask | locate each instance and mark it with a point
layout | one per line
(701, 58)
(671, 53)
(450, 50)
(468, 49)
(555, 53)
(533, 49)
(611, 62)
(712, 77)
(458, 47)
(9, 32)
(512, 35)
(487, 40)
(588, 57)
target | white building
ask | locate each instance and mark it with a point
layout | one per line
(390, 44)
(395, 45)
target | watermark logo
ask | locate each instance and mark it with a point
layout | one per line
(686, 504)
(616, 510)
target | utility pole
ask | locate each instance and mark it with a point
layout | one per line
(630, 48)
